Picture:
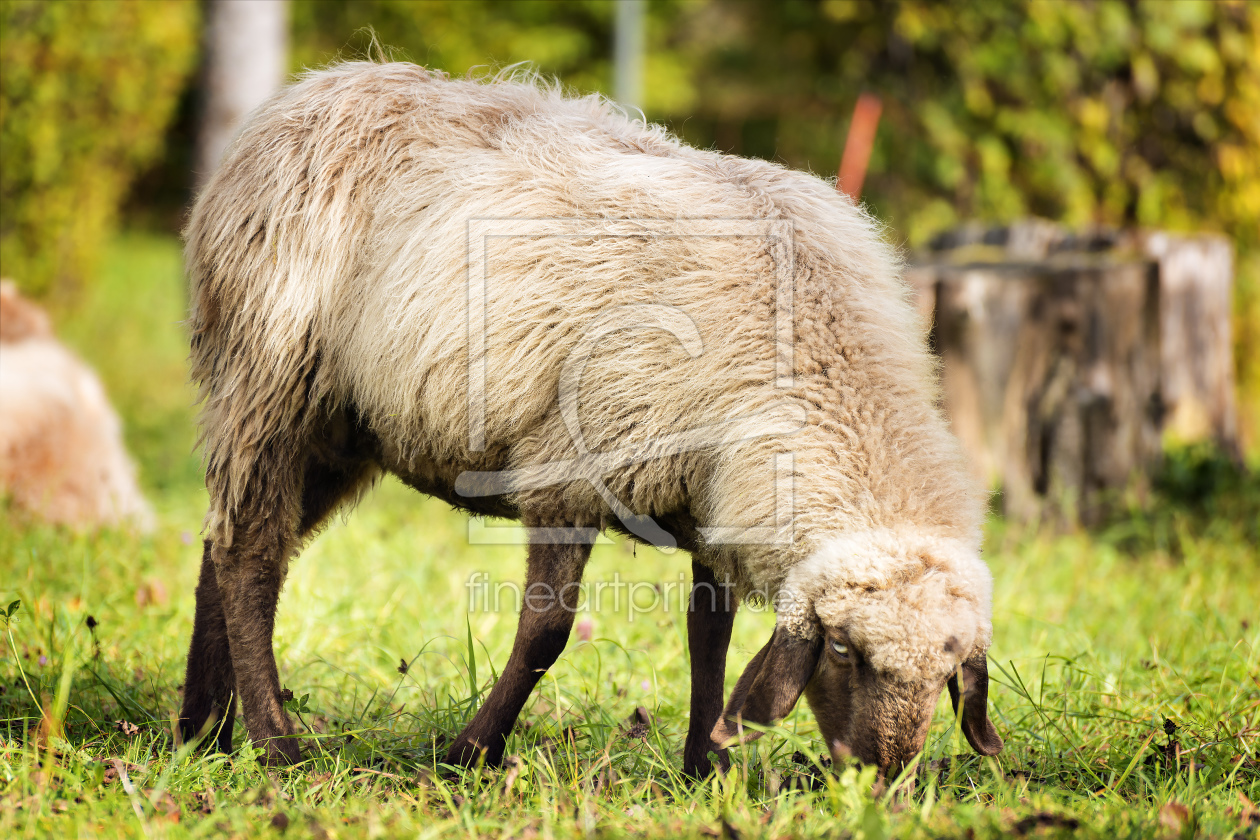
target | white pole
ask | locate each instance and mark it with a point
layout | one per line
(247, 44)
(628, 53)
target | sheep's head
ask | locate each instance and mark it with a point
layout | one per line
(872, 628)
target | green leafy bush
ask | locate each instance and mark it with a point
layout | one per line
(1120, 112)
(1110, 111)
(1091, 111)
(86, 92)
(567, 39)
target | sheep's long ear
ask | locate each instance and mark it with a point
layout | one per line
(975, 695)
(769, 686)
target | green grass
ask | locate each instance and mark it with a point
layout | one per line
(1103, 644)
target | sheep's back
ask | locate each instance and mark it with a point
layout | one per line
(329, 258)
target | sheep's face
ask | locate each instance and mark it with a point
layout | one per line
(872, 628)
(886, 656)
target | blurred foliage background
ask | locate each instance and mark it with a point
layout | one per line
(1085, 112)
(1112, 112)
(87, 91)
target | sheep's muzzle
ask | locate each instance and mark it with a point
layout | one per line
(879, 721)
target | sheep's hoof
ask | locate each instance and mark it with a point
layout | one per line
(214, 735)
(714, 761)
(281, 751)
(467, 753)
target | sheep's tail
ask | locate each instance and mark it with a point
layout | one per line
(254, 298)
(257, 396)
(279, 225)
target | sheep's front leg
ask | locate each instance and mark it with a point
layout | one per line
(710, 616)
(550, 600)
(210, 682)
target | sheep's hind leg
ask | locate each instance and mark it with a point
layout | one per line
(336, 471)
(250, 573)
(240, 587)
(547, 609)
(710, 616)
(210, 682)
(250, 549)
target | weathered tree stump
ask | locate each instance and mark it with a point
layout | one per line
(1064, 359)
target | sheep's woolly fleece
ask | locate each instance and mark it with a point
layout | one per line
(329, 260)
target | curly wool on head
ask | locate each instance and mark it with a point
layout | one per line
(898, 594)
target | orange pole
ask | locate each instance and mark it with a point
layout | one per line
(858, 145)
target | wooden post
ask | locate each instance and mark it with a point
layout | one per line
(1067, 357)
(858, 145)
(628, 53)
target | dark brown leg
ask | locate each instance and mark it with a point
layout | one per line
(247, 555)
(326, 487)
(209, 683)
(342, 461)
(231, 651)
(710, 616)
(551, 597)
(250, 573)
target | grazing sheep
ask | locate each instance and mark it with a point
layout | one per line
(357, 308)
(61, 451)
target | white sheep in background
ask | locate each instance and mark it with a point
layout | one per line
(333, 288)
(62, 457)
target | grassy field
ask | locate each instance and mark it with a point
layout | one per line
(1126, 668)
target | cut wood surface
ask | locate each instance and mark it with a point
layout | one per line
(1066, 359)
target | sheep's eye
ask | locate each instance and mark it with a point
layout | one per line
(841, 649)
